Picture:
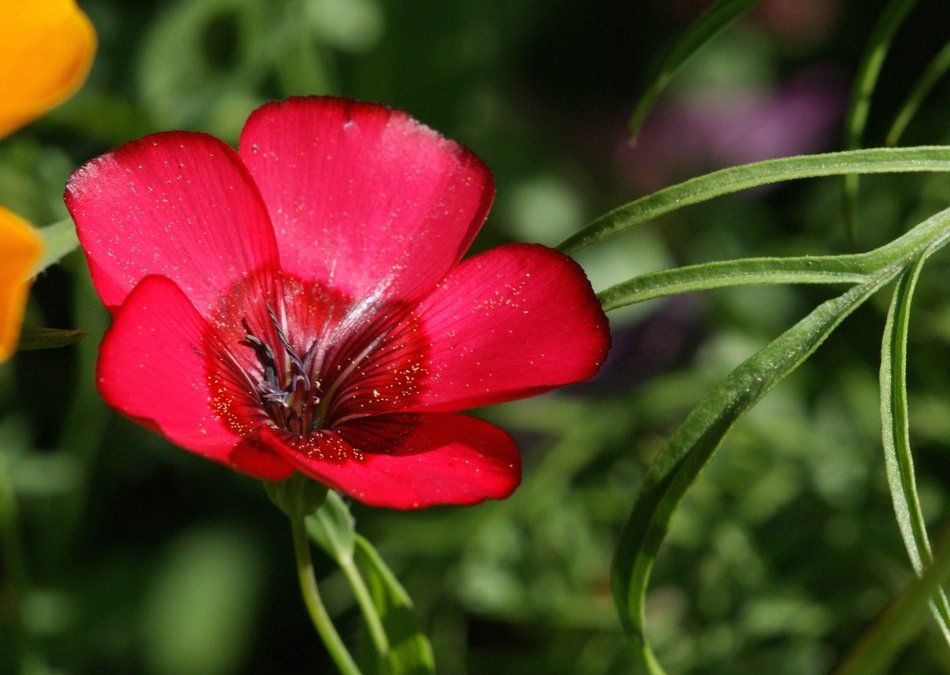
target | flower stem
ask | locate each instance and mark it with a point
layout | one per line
(311, 596)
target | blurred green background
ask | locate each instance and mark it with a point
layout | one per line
(141, 558)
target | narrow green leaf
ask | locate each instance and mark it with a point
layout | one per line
(39, 337)
(410, 652)
(895, 427)
(936, 69)
(709, 24)
(855, 268)
(846, 269)
(879, 646)
(737, 178)
(695, 441)
(868, 71)
(58, 240)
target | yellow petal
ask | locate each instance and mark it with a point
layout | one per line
(20, 249)
(46, 49)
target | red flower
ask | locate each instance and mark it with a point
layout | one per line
(300, 304)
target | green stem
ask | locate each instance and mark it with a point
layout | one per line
(311, 597)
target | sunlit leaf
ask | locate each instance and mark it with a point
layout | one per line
(709, 24)
(896, 436)
(695, 441)
(735, 179)
(870, 67)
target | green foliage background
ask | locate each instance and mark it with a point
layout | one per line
(141, 558)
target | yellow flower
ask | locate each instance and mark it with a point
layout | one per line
(20, 249)
(46, 49)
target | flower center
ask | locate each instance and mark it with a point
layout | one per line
(290, 398)
(303, 358)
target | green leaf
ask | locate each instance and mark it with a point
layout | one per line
(879, 646)
(850, 269)
(410, 652)
(868, 71)
(709, 24)
(695, 441)
(332, 528)
(401, 647)
(39, 337)
(936, 69)
(734, 179)
(855, 268)
(895, 426)
(693, 444)
(870, 68)
(58, 240)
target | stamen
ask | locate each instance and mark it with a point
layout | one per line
(264, 354)
(288, 399)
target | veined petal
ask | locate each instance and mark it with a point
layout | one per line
(514, 321)
(176, 204)
(47, 50)
(408, 461)
(363, 198)
(152, 367)
(20, 249)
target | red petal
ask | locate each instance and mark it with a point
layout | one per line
(364, 198)
(408, 461)
(512, 322)
(176, 204)
(153, 369)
